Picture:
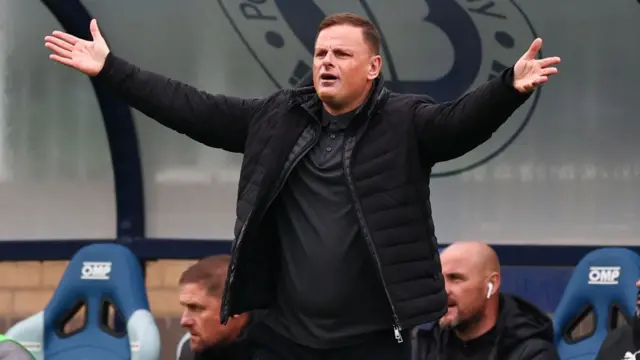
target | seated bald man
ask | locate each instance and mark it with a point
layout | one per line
(623, 343)
(482, 323)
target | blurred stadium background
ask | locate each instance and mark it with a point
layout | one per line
(559, 180)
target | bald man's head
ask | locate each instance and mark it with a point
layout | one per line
(479, 255)
(472, 276)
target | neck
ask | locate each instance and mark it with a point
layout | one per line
(339, 110)
(487, 322)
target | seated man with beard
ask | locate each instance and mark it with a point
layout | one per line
(481, 323)
(201, 287)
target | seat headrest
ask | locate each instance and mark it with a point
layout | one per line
(97, 272)
(99, 275)
(602, 279)
(99, 278)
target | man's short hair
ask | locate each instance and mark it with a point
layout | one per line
(369, 31)
(211, 272)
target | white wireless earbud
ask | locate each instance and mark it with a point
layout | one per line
(490, 286)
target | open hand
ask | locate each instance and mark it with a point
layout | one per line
(85, 56)
(530, 72)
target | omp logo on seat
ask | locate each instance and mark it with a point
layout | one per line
(95, 270)
(442, 48)
(604, 275)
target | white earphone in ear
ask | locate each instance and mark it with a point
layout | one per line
(490, 286)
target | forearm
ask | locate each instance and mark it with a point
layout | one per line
(212, 120)
(451, 129)
(484, 109)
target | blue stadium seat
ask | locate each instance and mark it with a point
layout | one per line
(97, 275)
(602, 286)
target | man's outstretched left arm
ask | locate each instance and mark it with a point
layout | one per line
(449, 130)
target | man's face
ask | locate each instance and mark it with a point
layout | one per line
(466, 288)
(343, 65)
(201, 316)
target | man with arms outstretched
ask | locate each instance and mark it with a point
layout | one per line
(334, 234)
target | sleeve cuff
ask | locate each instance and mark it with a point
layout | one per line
(507, 82)
(114, 69)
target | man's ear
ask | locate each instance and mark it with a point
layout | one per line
(375, 65)
(495, 280)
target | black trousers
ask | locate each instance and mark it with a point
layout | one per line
(383, 346)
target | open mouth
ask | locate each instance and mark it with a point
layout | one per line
(328, 77)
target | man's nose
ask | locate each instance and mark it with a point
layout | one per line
(186, 321)
(328, 59)
(447, 288)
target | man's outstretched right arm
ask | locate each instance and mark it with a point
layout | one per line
(215, 120)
